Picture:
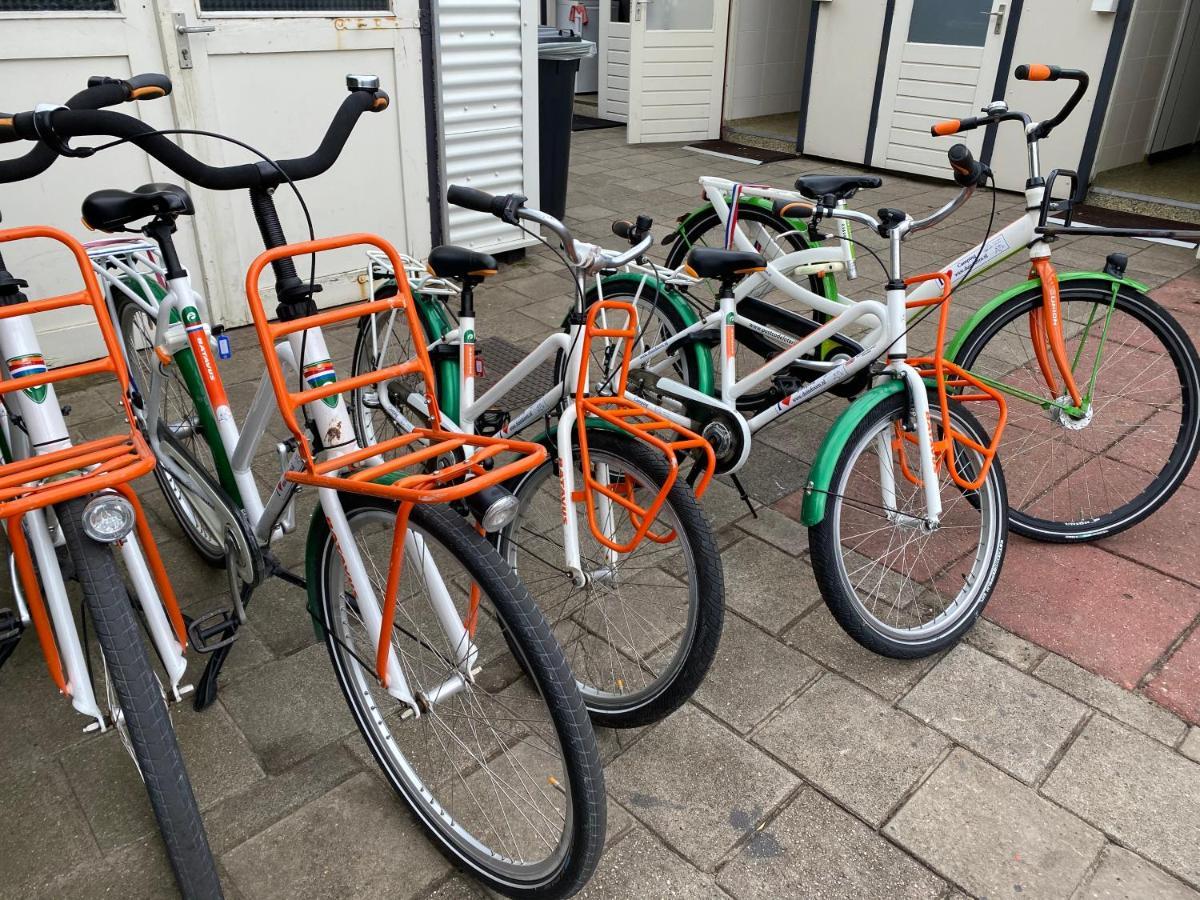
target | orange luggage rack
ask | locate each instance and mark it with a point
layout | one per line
(417, 448)
(946, 374)
(107, 463)
(659, 432)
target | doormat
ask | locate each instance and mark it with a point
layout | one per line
(1115, 218)
(742, 153)
(591, 123)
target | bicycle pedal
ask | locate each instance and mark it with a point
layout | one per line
(491, 421)
(213, 630)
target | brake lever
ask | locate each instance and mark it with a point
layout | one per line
(44, 128)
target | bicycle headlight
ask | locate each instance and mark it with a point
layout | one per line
(494, 507)
(108, 518)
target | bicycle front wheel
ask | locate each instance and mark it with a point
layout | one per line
(140, 712)
(642, 631)
(895, 586)
(503, 774)
(1085, 477)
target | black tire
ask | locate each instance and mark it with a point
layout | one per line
(142, 707)
(515, 626)
(1091, 481)
(932, 629)
(192, 454)
(535, 551)
(707, 230)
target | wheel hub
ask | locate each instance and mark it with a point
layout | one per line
(1072, 422)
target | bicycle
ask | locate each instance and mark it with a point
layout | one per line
(637, 654)
(906, 503)
(1103, 383)
(449, 670)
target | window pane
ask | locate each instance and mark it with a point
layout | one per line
(58, 5)
(961, 22)
(680, 15)
(267, 6)
(620, 11)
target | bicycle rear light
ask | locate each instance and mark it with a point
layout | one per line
(108, 518)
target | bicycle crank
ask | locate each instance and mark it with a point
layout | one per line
(721, 426)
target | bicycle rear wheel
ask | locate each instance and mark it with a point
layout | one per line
(1082, 478)
(504, 775)
(895, 587)
(141, 711)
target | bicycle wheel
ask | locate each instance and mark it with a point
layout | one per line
(1084, 478)
(184, 421)
(642, 633)
(504, 775)
(141, 713)
(896, 588)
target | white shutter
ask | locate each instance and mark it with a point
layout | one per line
(487, 73)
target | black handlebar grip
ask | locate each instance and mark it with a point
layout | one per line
(381, 102)
(149, 86)
(469, 198)
(967, 170)
(624, 230)
(8, 134)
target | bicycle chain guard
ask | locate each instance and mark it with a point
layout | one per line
(946, 375)
(643, 424)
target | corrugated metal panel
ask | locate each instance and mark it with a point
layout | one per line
(484, 91)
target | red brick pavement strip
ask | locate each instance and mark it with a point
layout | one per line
(1177, 686)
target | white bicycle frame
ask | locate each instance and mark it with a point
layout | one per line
(274, 517)
(44, 430)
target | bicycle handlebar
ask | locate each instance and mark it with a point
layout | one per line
(1032, 72)
(101, 92)
(91, 122)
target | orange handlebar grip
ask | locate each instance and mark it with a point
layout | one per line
(948, 127)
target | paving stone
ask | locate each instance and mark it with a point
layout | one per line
(243, 815)
(991, 835)
(37, 720)
(1177, 686)
(290, 709)
(1126, 876)
(1142, 794)
(458, 887)
(991, 638)
(1155, 542)
(140, 871)
(766, 585)
(355, 841)
(770, 474)
(814, 849)
(722, 505)
(776, 529)
(106, 782)
(1107, 614)
(43, 831)
(698, 787)
(640, 866)
(1004, 715)
(853, 746)
(1191, 744)
(752, 675)
(1130, 708)
(819, 635)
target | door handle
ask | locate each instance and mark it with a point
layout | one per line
(998, 15)
(194, 29)
(182, 42)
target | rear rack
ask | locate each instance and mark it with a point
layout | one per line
(106, 463)
(1067, 209)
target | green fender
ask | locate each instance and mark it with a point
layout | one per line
(436, 324)
(820, 476)
(701, 359)
(1034, 284)
(829, 283)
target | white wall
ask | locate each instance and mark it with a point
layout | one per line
(768, 41)
(1153, 30)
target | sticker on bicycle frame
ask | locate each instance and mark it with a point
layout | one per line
(469, 353)
(319, 374)
(730, 346)
(224, 347)
(27, 366)
(996, 247)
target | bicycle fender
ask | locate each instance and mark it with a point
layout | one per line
(1101, 280)
(699, 211)
(701, 358)
(820, 476)
(433, 318)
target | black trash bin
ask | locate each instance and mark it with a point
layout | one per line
(559, 53)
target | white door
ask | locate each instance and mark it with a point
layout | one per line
(1178, 122)
(676, 69)
(612, 99)
(941, 64)
(46, 57)
(274, 79)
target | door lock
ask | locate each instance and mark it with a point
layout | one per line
(182, 40)
(998, 15)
